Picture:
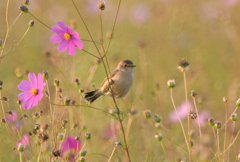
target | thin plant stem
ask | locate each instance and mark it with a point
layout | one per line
(7, 15)
(20, 157)
(199, 125)
(39, 155)
(90, 53)
(84, 144)
(181, 124)
(39, 21)
(218, 142)
(23, 35)
(112, 153)
(163, 148)
(228, 146)
(233, 127)
(129, 126)
(225, 135)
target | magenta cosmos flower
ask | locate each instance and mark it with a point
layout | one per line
(70, 148)
(24, 141)
(66, 38)
(32, 92)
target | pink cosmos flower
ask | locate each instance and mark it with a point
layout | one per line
(32, 92)
(66, 38)
(12, 118)
(182, 112)
(70, 148)
(203, 117)
(13, 121)
(24, 141)
(110, 132)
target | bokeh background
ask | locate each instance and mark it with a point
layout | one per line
(154, 35)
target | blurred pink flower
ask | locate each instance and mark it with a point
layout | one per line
(12, 118)
(24, 141)
(70, 148)
(182, 112)
(140, 13)
(66, 38)
(32, 92)
(230, 3)
(110, 132)
(203, 117)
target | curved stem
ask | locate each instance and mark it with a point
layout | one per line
(39, 21)
(23, 35)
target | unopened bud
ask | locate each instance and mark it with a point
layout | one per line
(19, 102)
(83, 152)
(73, 102)
(193, 93)
(238, 103)
(191, 143)
(56, 82)
(76, 81)
(30, 134)
(67, 101)
(59, 90)
(102, 6)
(60, 136)
(81, 90)
(224, 100)
(211, 121)
(76, 138)
(171, 83)
(21, 147)
(74, 125)
(3, 120)
(36, 115)
(118, 144)
(1, 42)
(23, 8)
(157, 118)
(83, 127)
(64, 121)
(234, 117)
(37, 126)
(147, 114)
(82, 159)
(31, 23)
(88, 136)
(46, 94)
(218, 124)
(26, 2)
(158, 136)
(5, 99)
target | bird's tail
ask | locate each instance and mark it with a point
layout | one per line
(92, 96)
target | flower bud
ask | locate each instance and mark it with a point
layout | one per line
(211, 121)
(76, 81)
(158, 125)
(26, 2)
(37, 126)
(1, 42)
(74, 125)
(224, 100)
(171, 83)
(10, 113)
(76, 138)
(191, 144)
(65, 121)
(234, 117)
(81, 159)
(67, 101)
(147, 114)
(45, 75)
(118, 144)
(193, 93)
(88, 136)
(46, 94)
(60, 136)
(56, 82)
(102, 6)
(31, 23)
(218, 124)
(23, 8)
(19, 102)
(81, 90)
(59, 90)
(157, 118)
(5, 99)
(36, 115)
(73, 102)
(83, 127)
(238, 103)
(3, 121)
(158, 136)
(30, 134)
(83, 152)
(21, 147)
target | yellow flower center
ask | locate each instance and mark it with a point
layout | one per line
(73, 151)
(34, 91)
(67, 36)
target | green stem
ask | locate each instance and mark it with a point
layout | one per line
(163, 148)
(23, 35)
(20, 157)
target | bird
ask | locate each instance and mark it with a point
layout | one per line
(121, 80)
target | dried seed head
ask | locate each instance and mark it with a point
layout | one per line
(193, 93)
(31, 23)
(24, 116)
(157, 118)
(224, 100)
(23, 8)
(234, 117)
(45, 127)
(88, 136)
(83, 152)
(171, 83)
(192, 115)
(218, 124)
(34, 131)
(133, 111)
(158, 136)
(43, 136)
(211, 121)
(102, 6)
(147, 114)
(37, 126)
(183, 65)
(46, 94)
(21, 147)
(56, 153)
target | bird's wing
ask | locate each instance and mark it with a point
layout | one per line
(105, 82)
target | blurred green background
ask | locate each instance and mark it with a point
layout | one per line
(154, 35)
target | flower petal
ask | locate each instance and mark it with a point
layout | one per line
(69, 30)
(33, 80)
(25, 140)
(63, 26)
(40, 83)
(39, 96)
(62, 46)
(75, 36)
(79, 44)
(71, 48)
(57, 38)
(24, 96)
(24, 86)
(28, 104)
(56, 29)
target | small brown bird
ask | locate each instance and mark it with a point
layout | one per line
(121, 80)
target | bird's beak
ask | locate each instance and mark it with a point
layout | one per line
(133, 65)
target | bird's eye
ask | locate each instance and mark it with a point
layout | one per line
(125, 65)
